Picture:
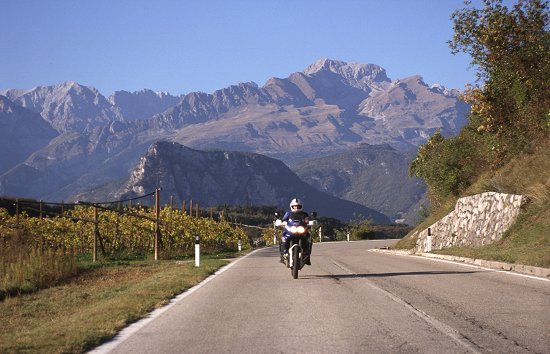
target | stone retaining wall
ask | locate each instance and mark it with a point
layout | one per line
(476, 221)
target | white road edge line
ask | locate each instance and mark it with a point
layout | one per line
(503, 271)
(136, 326)
(443, 328)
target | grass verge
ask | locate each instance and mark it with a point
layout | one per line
(95, 305)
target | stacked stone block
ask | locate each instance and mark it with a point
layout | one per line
(476, 221)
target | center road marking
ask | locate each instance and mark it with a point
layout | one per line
(443, 328)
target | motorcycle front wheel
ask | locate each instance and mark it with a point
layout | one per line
(295, 263)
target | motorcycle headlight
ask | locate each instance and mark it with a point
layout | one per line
(297, 229)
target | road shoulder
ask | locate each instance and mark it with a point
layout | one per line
(518, 268)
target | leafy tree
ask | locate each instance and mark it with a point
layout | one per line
(510, 48)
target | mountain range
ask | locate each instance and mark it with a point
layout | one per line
(73, 107)
(214, 178)
(328, 108)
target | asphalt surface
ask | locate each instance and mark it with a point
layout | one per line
(351, 301)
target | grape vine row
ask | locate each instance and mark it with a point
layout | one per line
(126, 232)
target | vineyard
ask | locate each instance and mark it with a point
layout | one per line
(40, 241)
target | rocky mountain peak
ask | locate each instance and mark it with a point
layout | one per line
(438, 88)
(71, 84)
(356, 74)
(323, 64)
(167, 148)
(142, 104)
(5, 104)
(235, 95)
(68, 106)
(73, 90)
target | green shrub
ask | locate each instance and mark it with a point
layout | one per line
(448, 165)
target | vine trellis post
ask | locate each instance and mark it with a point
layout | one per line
(96, 234)
(157, 223)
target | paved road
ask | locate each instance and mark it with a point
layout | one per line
(353, 301)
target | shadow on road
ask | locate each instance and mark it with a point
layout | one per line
(382, 275)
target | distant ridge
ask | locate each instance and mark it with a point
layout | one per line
(213, 178)
(371, 175)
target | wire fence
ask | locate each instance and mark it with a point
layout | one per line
(118, 226)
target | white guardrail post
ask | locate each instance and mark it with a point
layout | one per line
(429, 240)
(197, 251)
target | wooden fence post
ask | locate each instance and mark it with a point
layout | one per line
(17, 212)
(157, 224)
(18, 231)
(96, 234)
(191, 207)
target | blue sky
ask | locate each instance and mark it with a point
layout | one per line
(202, 45)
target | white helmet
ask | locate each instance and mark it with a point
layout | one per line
(296, 204)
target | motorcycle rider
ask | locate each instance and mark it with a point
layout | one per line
(296, 213)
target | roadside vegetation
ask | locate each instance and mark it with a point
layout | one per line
(505, 147)
(54, 298)
(77, 315)
(38, 252)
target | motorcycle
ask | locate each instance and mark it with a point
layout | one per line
(297, 231)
